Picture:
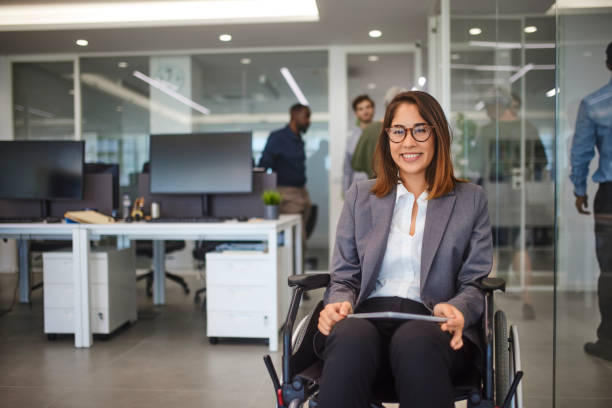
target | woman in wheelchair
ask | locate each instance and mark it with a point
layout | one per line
(416, 239)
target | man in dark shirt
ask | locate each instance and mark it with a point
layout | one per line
(284, 154)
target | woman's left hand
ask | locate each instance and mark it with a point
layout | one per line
(453, 325)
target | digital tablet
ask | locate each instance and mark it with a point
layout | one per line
(398, 315)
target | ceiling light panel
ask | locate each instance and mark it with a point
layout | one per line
(102, 14)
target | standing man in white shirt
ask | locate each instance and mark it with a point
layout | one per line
(363, 107)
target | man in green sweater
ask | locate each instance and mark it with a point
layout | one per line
(364, 152)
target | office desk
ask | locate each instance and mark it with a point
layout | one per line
(264, 230)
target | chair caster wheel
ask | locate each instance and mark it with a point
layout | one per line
(213, 340)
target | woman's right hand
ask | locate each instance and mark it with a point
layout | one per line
(332, 314)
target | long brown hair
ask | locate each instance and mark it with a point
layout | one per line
(439, 175)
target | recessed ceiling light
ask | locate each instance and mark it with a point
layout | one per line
(475, 31)
(225, 37)
(245, 61)
(552, 92)
(373, 58)
(82, 43)
(122, 64)
(375, 33)
(422, 81)
(371, 85)
(530, 29)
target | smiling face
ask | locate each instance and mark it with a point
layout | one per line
(411, 157)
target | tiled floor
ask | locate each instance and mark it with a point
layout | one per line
(165, 360)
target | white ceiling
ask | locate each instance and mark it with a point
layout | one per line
(341, 22)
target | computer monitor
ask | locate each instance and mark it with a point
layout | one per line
(107, 168)
(201, 163)
(44, 170)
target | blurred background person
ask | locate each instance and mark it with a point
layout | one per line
(500, 150)
(284, 153)
(363, 107)
(594, 129)
(363, 155)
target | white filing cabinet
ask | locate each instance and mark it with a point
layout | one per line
(112, 289)
(246, 293)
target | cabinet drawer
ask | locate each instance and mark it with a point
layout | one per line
(237, 324)
(221, 272)
(238, 298)
(59, 269)
(59, 320)
(62, 295)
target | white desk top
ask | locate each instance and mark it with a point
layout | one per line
(155, 230)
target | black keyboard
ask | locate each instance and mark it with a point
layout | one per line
(5, 220)
(193, 220)
(23, 220)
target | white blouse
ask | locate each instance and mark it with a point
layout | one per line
(400, 272)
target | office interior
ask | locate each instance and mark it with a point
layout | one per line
(106, 98)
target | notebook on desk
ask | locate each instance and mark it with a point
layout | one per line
(88, 217)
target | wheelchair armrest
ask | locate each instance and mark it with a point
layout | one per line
(309, 281)
(492, 284)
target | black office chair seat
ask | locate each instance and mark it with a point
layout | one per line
(145, 249)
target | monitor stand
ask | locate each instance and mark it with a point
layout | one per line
(205, 205)
(44, 209)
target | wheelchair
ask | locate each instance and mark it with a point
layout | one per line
(499, 386)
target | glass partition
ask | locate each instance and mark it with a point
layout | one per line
(43, 100)
(502, 66)
(584, 240)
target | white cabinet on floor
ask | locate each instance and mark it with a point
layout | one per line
(112, 289)
(246, 293)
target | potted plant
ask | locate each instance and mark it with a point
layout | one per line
(271, 199)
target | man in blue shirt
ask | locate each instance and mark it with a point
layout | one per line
(594, 129)
(284, 154)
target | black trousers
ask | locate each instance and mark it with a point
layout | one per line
(364, 358)
(602, 209)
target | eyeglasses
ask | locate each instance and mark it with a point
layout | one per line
(420, 132)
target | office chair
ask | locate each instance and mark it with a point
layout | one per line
(302, 364)
(145, 249)
(199, 254)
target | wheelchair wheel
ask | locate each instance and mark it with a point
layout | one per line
(515, 365)
(299, 332)
(502, 358)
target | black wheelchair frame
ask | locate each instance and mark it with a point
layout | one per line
(301, 366)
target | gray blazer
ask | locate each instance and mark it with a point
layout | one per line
(457, 249)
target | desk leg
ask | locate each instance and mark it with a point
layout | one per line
(291, 262)
(159, 272)
(299, 256)
(24, 271)
(80, 273)
(276, 290)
